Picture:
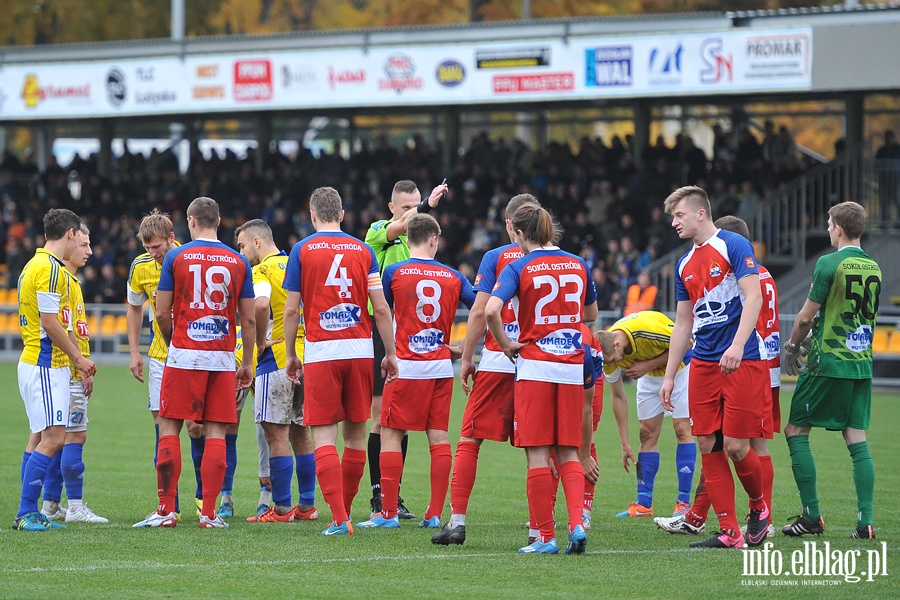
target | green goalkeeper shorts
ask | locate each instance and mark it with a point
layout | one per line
(831, 403)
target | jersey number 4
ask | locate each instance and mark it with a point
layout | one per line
(210, 288)
(557, 285)
(337, 276)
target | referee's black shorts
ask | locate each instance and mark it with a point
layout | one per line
(378, 344)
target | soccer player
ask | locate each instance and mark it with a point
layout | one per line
(593, 409)
(68, 464)
(278, 403)
(332, 273)
(555, 294)
(202, 286)
(43, 370)
(489, 411)
(718, 294)
(638, 344)
(835, 390)
(389, 241)
(424, 295)
(693, 522)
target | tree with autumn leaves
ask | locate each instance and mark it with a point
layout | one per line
(30, 22)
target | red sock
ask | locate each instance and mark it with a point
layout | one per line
(391, 472)
(699, 511)
(328, 472)
(588, 486)
(464, 469)
(212, 471)
(353, 466)
(441, 463)
(749, 471)
(768, 478)
(168, 471)
(554, 492)
(539, 487)
(572, 476)
(720, 487)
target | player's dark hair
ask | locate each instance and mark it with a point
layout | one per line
(155, 225)
(256, 228)
(404, 186)
(536, 224)
(695, 196)
(518, 200)
(421, 228)
(58, 221)
(326, 202)
(851, 217)
(205, 211)
(734, 224)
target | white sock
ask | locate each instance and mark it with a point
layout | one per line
(227, 499)
(586, 513)
(49, 506)
(73, 503)
(265, 497)
(457, 520)
(535, 533)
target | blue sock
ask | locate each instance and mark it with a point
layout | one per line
(25, 456)
(306, 478)
(197, 445)
(156, 447)
(649, 467)
(281, 471)
(230, 463)
(35, 471)
(53, 482)
(73, 470)
(685, 461)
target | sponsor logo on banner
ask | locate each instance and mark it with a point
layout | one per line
(208, 329)
(512, 58)
(609, 66)
(401, 75)
(150, 96)
(345, 77)
(208, 92)
(523, 84)
(564, 341)
(115, 87)
(253, 80)
(665, 64)
(426, 341)
(450, 73)
(298, 76)
(718, 67)
(777, 56)
(33, 93)
(340, 316)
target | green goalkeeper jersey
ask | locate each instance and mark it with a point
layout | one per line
(846, 284)
(387, 252)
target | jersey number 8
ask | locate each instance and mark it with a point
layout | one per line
(204, 294)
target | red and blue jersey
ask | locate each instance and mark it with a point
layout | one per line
(593, 358)
(768, 325)
(333, 272)
(206, 278)
(552, 288)
(493, 263)
(424, 295)
(707, 276)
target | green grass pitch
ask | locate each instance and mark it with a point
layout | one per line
(625, 558)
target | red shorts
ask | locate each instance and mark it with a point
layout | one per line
(417, 404)
(773, 425)
(198, 395)
(548, 414)
(337, 390)
(598, 403)
(489, 411)
(734, 404)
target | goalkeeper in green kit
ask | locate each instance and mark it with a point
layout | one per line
(835, 390)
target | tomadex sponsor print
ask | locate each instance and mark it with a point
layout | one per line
(340, 316)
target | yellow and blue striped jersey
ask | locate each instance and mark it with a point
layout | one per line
(143, 279)
(43, 287)
(79, 324)
(649, 334)
(268, 280)
(239, 351)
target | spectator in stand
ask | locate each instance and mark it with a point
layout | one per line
(111, 286)
(641, 295)
(889, 176)
(606, 289)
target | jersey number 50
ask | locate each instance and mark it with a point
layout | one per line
(570, 298)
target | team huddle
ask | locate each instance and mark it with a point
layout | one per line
(338, 331)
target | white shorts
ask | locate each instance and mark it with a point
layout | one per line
(45, 392)
(648, 403)
(277, 400)
(156, 372)
(78, 405)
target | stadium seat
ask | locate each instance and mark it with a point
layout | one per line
(12, 324)
(458, 333)
(4, 320)
(122, 325)
(880, 341)
(93, 322)
(4, 296)
(108, 325)
(759, 248)
(893, 346)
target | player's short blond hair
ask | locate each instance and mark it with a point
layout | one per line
(205, 211)
(695, 196)
(421, 228)
(255, 228)
(155, 225)
(326, 203)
